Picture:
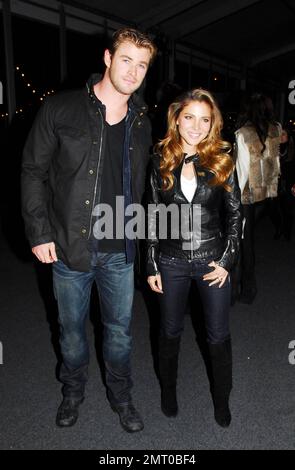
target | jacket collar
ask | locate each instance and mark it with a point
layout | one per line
(191, 158)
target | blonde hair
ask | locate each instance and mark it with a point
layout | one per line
(213, 151)
(134, 36)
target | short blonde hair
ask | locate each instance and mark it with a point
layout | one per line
(134, 36)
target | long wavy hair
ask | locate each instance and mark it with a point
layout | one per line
(213, 151)
(258, 112)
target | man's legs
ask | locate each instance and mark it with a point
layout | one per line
(72, 291)
(115, 283)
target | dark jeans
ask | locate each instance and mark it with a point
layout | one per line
(252, 214)
(177, 275)
(115, 283)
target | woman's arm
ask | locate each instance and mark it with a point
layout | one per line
(233, 226)
(152, 228)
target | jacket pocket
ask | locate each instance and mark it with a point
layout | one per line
(71, 132)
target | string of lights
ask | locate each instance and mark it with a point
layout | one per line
(28, 84)
(42, 95)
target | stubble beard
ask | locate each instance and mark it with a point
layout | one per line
(120, 88)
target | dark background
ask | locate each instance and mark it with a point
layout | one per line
(225, 41)
(231, 47)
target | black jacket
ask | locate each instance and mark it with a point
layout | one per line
(62, 170)
(215, 236)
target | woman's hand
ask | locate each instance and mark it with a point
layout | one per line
(155, 283)
(217, 276)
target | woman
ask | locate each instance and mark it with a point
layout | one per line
(194, 172)
(258, 169)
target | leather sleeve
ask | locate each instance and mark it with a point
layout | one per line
(233, 227)
(152, 252)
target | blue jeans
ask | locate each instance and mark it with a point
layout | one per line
(177, 275)
(115, 283)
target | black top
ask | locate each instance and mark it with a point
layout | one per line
(112, 184)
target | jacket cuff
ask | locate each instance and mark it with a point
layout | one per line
(230, 255)
(45, 238)
(152, 261)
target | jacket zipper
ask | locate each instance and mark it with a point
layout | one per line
(225, 251)
(136, 244)
(95, 187)
(132, 123)
(191, 218)
(191, 228)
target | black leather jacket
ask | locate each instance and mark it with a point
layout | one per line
(62, 169)
(215, 236)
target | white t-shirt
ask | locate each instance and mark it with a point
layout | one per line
(188, 187)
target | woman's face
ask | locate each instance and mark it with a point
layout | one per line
(284, 137)
(194, 124)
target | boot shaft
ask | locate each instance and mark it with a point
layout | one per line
(168, 360)
(221, 369)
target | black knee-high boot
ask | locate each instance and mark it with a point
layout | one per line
(221, 363)
(168, 365)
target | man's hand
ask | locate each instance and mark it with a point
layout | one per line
(45, 252)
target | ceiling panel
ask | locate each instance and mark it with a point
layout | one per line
(243, 32)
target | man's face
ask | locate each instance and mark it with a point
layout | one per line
(127, 67)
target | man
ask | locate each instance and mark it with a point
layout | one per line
(87, 147)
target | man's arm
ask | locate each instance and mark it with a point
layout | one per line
(37, 155)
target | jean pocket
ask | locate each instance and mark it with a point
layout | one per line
(167, 260)
(203, 266)
(60, 267)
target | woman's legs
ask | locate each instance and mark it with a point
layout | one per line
(176, 280)
(216, 305)
(176, 284)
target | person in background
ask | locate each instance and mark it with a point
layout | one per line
(258, 169)
(193, 171)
